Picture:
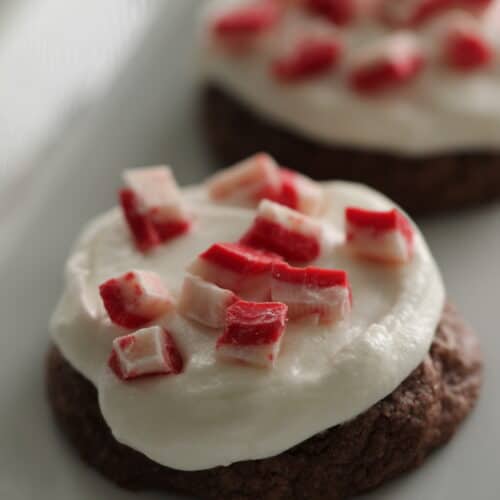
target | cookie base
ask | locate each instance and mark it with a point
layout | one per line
(420, 185)
(391, 437)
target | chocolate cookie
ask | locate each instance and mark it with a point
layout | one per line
(420, 185)
(391, 437)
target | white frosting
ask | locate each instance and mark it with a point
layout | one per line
(442, 111)
(216, 413)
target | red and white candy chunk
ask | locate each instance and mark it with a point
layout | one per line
(253, 332)
(146, 352)
(323, 294)
(259, 177)
(135, 298)
(247, 182)
(464, 46)
(239, 268)
(204, 302)
(311, 57)
(300, 193)
(286, 232)
(381, 236)
(153, 207)
(394, 61)
(239, 27)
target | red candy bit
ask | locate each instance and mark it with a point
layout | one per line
(152, 207)
(135, 299)
(322, 293)
(239, 268)
(464, 47)
(300, 193)
(141, 227)
(339, 12)
(247, 182)
(286, 232)
(237, 28)
(147, 352)
(204, 302)
(392, 63)
(310, 58)
(253, 332)
(381, 236)
(413, 13)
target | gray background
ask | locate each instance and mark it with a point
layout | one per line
(148, 114)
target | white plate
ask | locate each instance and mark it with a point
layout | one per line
(151, 116)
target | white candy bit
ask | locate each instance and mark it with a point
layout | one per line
(286, 232)
(150, 351)
(135, 298)
(253, 332)
(393, 61)
(381, 236)
(244, 270)
(300, 193)
(312, 292)
(153, 206)
(155, 188)
(246, 182)
(204, 302)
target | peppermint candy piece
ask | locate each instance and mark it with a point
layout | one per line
(253, 333)
(390, 63)
(386, 236)
(310, 58)
(135, 298)
(204, 302)
(239, 268)
(247, 182)
(286, 232)
(464, 46)
(146, 352)
(237, 28)
(324, 294)
(299, 193)
(152, 206)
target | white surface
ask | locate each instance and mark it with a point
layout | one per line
(217, 413)
(440, 111)
(80, 181)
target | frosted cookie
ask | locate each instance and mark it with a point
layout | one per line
(397, 94)
(218, 362)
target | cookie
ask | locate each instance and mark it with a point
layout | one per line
(398, 96)
(420, 185)
(391, 437)
(225, 324)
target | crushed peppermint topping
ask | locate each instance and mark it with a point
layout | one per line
(245, 291)
(392, 62)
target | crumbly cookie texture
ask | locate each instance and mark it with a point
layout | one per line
(389, 438)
